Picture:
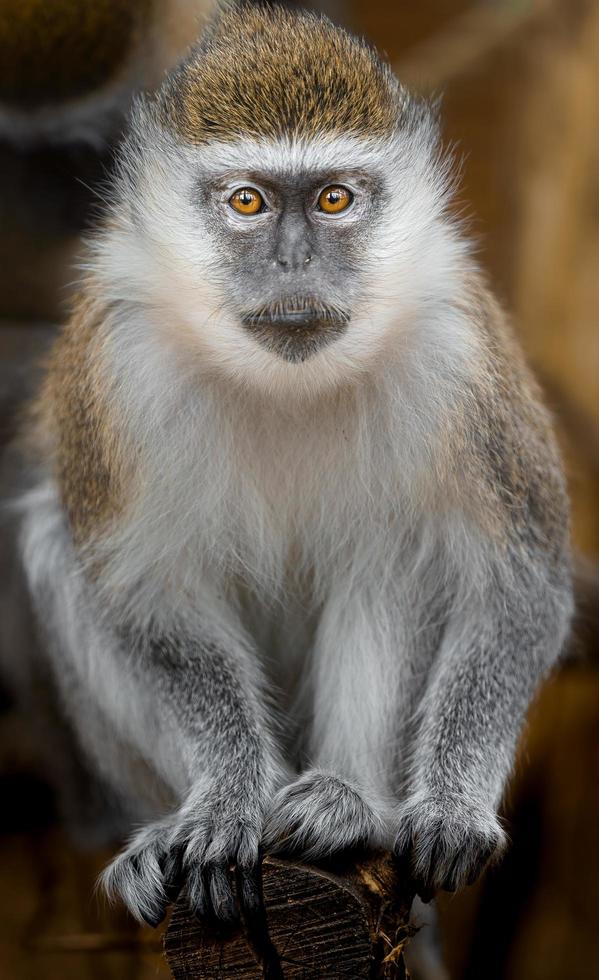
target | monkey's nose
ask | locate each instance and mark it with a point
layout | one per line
(292, 261)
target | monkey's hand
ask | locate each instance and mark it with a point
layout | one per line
(446, 840)
(207, 852)
(320, 814)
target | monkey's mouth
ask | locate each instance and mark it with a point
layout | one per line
(297, 329)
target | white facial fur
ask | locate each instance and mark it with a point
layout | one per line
(161, 253)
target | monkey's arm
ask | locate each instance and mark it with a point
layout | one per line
(506, 626)
(213, 745)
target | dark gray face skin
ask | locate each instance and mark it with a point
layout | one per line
(293, 272)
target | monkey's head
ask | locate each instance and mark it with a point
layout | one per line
(286, 199)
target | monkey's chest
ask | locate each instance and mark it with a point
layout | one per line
(283, 634)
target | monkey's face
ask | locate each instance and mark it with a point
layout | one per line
(292, 245)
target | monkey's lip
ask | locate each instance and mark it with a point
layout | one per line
(296, 318)
(296, 332)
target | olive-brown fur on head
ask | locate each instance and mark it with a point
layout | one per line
(268, 72)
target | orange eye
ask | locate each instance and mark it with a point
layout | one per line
(247, 200)
(333, 199)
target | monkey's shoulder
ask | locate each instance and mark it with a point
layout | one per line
(506, 450)
(74, 423)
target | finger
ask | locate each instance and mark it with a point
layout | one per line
(223, 900)
(249, 888)
(172, 872)
(152, 919)
(197, 893)
(482, 859)
(425, 890)
(149, 906)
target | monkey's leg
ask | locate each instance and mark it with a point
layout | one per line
(341, 801)
(497, 646)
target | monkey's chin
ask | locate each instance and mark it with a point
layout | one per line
(296, 337)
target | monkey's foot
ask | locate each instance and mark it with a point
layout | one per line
(446, 840)
(320, 814)
(207, 852)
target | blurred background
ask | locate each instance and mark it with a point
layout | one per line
(520, 80)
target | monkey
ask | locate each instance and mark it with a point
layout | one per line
(288, 510)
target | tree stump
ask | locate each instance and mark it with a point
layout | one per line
(345, 919)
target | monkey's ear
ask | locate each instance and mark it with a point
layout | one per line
(421, 115)
(436, 104)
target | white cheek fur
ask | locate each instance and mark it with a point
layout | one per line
(166, 260)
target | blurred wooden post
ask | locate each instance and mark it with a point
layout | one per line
(348, 921)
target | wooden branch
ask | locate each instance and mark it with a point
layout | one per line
(344, 920)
